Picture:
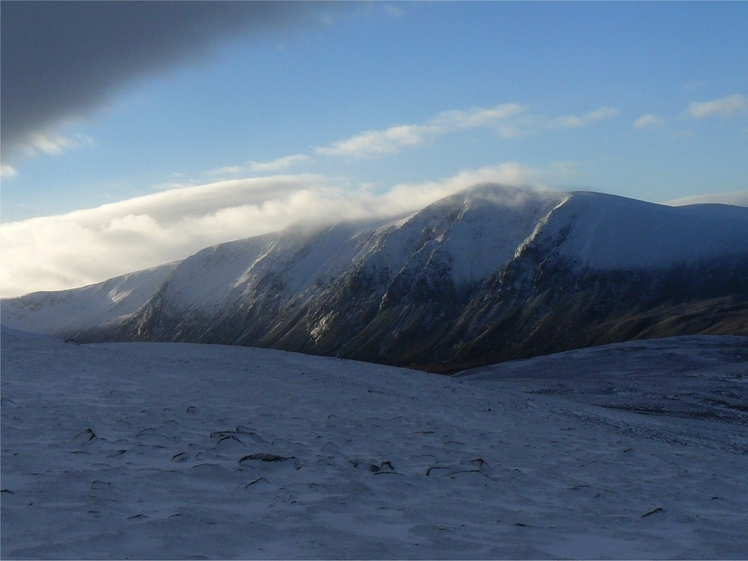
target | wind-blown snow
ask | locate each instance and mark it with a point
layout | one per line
(205, 451)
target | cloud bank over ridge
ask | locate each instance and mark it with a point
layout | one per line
(87, 246)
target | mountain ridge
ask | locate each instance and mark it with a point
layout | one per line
(488, 274)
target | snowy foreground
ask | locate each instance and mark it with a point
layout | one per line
(191, 451)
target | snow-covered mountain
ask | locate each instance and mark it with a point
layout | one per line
(488, 274)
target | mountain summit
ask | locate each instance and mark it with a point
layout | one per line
(489, 274)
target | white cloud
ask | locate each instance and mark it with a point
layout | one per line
(736, 198)
(387, 141)
(572, 121)
(87, 246)
(53, 143)
(7, 171)
(252, 166)
(407, 197)
(725, 107)
(225, 170)
(476, 117)
(280, 164)
(509, 120)
(168, 185)
(391, 140)
(648, 120)
(38, 143)
(600, 114)
(48, 143)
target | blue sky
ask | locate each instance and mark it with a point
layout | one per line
(645, 100)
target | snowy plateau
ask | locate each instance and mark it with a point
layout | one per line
(634, 450)
(597, 405)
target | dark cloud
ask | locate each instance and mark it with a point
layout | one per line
(63, 59)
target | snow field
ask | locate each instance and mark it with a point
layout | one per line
(190, 451)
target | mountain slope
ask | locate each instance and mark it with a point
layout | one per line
(489, 274)
(66, 312)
